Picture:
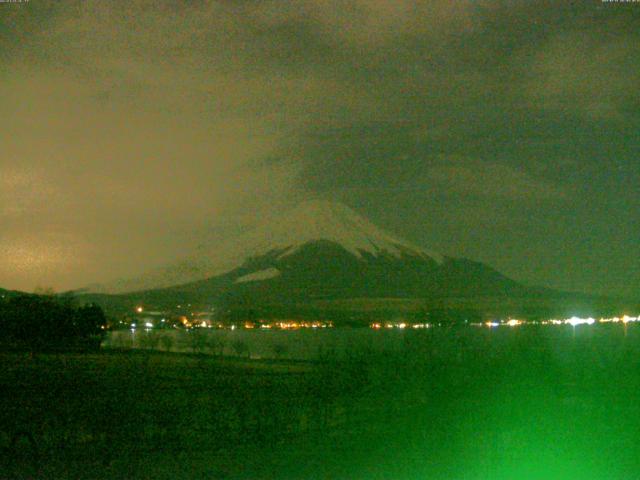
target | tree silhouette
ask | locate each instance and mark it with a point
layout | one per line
(38, 322)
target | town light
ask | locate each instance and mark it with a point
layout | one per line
(575, 321)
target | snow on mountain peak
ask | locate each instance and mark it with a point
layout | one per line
(333, 221)
(309, 221)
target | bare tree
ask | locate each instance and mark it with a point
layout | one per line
(166, 341)
(198, 340)
(241, 348)
(279, 350)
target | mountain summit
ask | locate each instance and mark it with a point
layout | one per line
(329, 221)
(286, 233)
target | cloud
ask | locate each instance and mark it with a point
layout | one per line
(23, 190)
(484, 179)
(368, 23)
(136, 158)
(134, 129)
(592, 75)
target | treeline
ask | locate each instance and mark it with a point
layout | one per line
(49, 322)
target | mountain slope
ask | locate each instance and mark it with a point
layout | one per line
(324, 269)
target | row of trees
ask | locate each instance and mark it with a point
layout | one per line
(41, 322)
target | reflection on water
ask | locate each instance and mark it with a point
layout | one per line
(341, 343)
(303, 344)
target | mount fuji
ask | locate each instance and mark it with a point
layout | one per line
(319, 250)
(286, 233)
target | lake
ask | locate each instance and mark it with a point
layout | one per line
(342, 343)
(525, 402)
(476, 403)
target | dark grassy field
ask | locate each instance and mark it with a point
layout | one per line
(533, 402)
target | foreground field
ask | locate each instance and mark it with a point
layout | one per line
(462, 404)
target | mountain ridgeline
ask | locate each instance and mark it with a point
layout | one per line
(323, 259)
(325, 270)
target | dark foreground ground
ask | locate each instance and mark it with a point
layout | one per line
(525, 403)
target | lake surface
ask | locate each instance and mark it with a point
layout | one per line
(343, 343)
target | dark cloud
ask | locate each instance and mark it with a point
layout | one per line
(504, 131)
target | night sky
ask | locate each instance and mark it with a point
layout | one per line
(507, 132)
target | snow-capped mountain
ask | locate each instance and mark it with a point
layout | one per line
(286, 233)
(334, 222)
(322, 257)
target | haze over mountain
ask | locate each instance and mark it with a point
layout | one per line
(288, 232)
(318, 250)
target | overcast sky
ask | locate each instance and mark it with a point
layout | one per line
(507, 132)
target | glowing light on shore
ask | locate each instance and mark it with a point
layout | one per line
(401, 325)
(609, 320)
(575, 321)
